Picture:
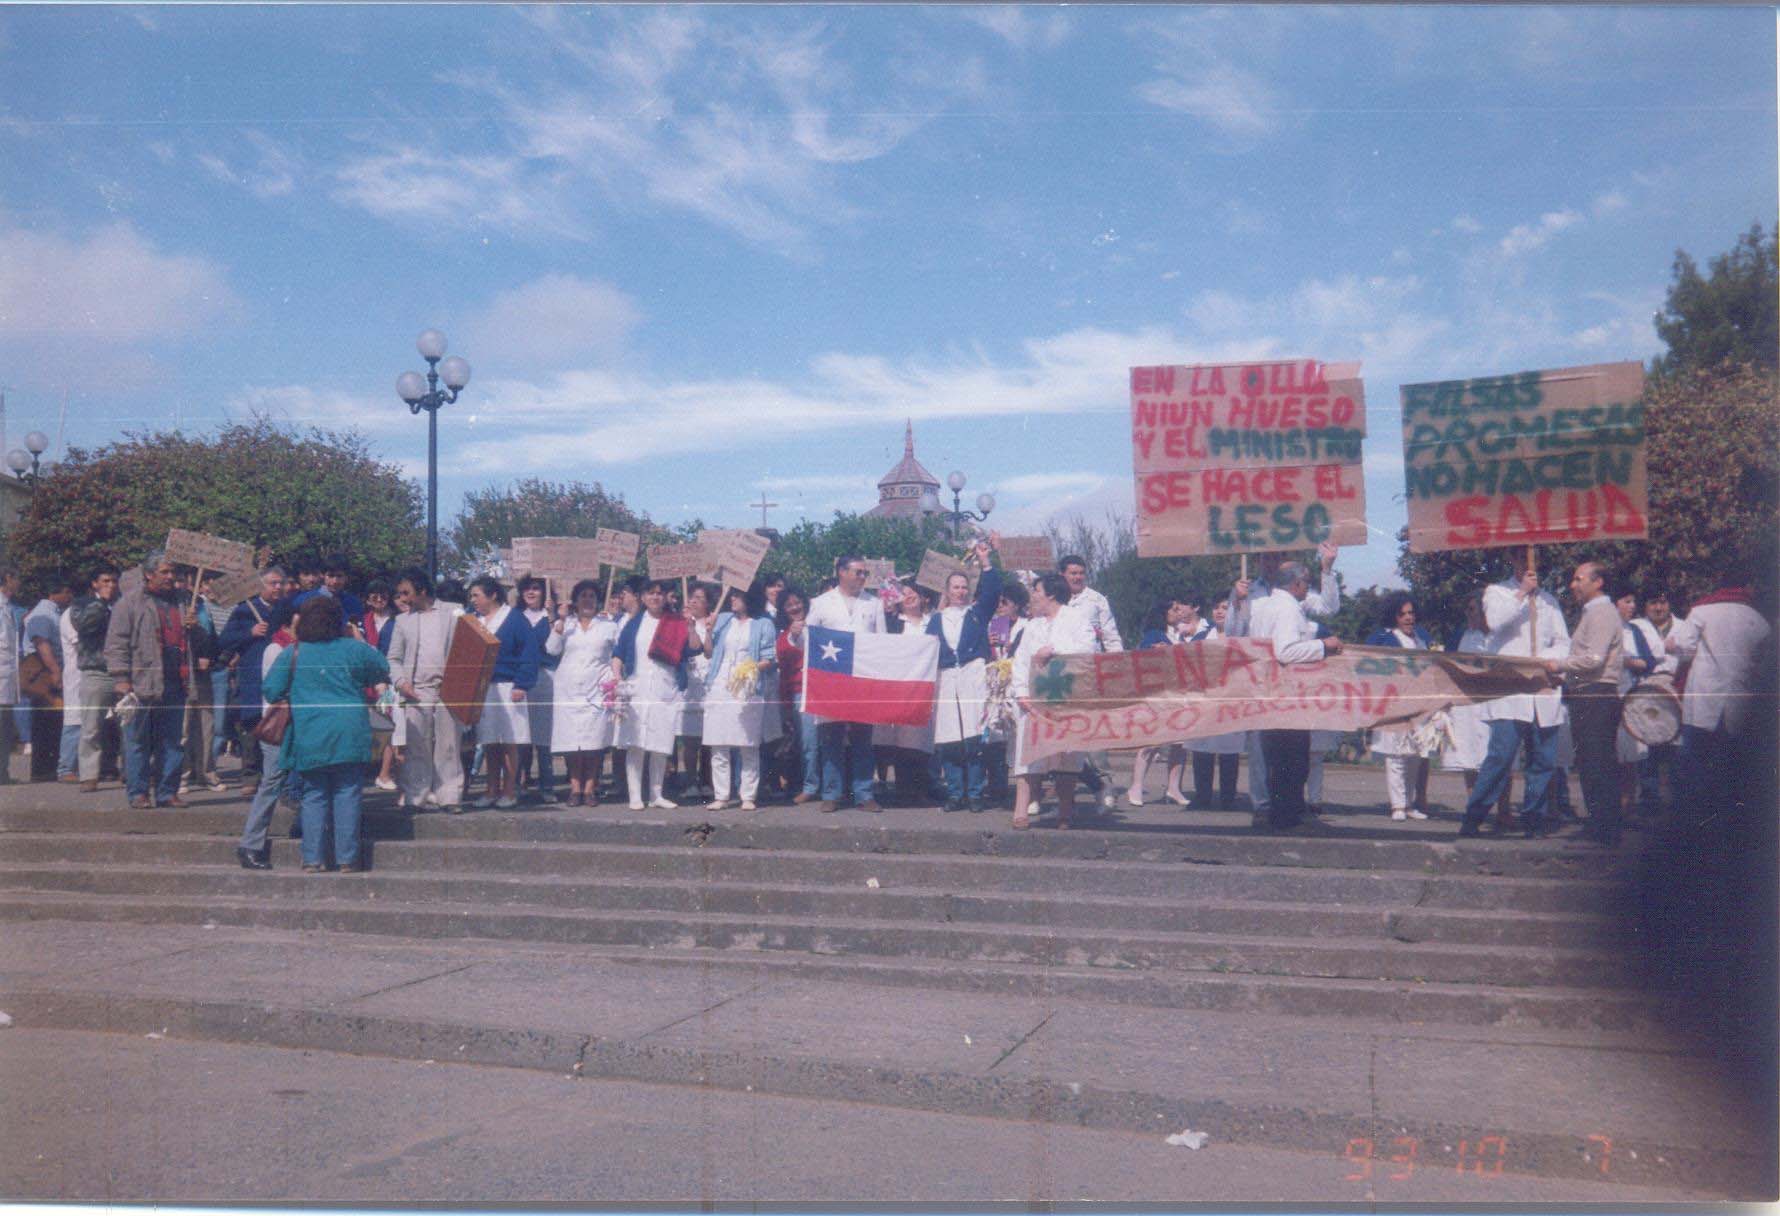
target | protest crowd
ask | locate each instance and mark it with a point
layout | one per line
(680, 691)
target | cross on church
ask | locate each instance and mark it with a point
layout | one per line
(763, 504)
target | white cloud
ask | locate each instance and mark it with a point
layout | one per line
(1021, 26)
(1465, 224)
(113, 284)
(1525, 238)
(556, 320)
(1231, 99)
(401, 183)
(272, 173)
(1608, 203)
(1037, 485)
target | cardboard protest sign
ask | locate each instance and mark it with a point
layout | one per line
(1027, 553)
(1169, 694)
(1534, 458)
(1248, 457)
(676, 561)
(936, 568)
(202, 551)
(231, 587)
(733, 556)
(878, 571)
(617, 548)
(563, 558)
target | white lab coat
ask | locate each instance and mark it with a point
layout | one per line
(1722, 641)
(1505, 614)
(580, 722)
(1069, 632)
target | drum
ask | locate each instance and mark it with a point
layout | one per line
(1651, 712)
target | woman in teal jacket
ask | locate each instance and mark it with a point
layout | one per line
(328, 741)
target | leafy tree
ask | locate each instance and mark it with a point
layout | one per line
(1731, 316)
(492, 517)
(300, 494)
(806, 554)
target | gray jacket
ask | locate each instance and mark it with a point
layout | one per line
(133, 645)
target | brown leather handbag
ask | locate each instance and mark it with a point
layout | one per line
(276, 720)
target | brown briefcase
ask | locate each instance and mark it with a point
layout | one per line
(469, 665)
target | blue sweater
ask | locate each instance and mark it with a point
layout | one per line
(237, 639)
(973, 639)
(1388, 637)
(517, 662)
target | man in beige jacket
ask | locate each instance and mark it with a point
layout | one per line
(1591, 674)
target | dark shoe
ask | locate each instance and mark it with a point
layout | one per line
(89, 787)
(800, 799)
(955, 804)
(314, 869)
(870, 806)
(176, 802)
(139, 802)
(975, 806)
(1470, 830)
(69, 778)
(251, 860)
(1533, 828)
(352, 869)
(826, 806)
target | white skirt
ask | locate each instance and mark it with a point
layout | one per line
(963, 696)
(580, 726)
(502, 721)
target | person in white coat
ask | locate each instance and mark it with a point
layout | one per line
(735, 699)
(1280, 619)
(9, 673)
(846, 747)
(1052, 628)
(1470, 733)
(1725, 642)
(585, 721)
(655, 687)
(1529, 722)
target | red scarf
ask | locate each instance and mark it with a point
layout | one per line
(1727, 595)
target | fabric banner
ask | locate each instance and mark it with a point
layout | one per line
(882, 678)
(1248, 457)
(1169, 694)
(1533, 458)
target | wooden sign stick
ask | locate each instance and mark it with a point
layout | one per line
(197, 585)
(684, 595)
(611, 573)
(1533, 607)
(1244, 560)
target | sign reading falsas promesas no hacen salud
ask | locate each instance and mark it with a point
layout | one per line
(1534, 458)
(1246, 457)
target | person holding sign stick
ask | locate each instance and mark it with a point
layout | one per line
(1591, 672)
(504, 726)
(1280, 619)
(585, 722)
(1528, 721)
(962, 627)
(1405, 768)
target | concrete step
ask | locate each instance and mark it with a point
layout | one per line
(1367, 849)
(1050, 877)
(187, 868)
(352, 904)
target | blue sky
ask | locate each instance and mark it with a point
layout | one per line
(695, 253)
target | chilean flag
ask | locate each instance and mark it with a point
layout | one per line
(885, 678)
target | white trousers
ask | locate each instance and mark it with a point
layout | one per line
(641, 765)
(432, 768)
(750, 772)
(1400, 776)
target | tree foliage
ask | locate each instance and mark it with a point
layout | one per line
(806, 554)
(493, 516)
(1730, 316)
(301, 494)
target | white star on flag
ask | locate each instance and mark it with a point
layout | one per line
(830, 652)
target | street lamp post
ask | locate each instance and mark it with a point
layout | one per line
(26, 462)
(958, 516)
(424, 393)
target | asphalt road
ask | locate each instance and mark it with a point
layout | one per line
(98, 1118)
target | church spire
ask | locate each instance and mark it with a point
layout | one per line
(908, 437)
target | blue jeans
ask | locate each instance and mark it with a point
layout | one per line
(1507, 738)
(154, 738)
(332, 793)
(68, 762)
(845, 745)
(963, 764)
(809, 753)
(220, 734)
(265, 799)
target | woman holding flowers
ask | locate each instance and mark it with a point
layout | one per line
(743, 656)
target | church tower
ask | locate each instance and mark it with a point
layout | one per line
(901, 489)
